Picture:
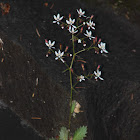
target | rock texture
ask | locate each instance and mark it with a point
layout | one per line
(111, 107)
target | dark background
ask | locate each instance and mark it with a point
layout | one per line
(111, 109)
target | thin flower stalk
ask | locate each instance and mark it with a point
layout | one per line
(70, 98)
(75, 31)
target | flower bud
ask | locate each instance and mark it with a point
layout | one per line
(46, 40)
(81, 30)
(91, 16)
(99, 41)
(82, 65)
(60, 46)
(66, 48)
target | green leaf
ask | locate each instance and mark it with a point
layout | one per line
(63, 134)
(73, 106)
(80, 133)
(52, 139)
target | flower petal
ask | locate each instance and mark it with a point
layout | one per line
(99, 45)
(98, 72)
(85, 34)
(96, 77)
(55, 17)
(58, 16)
(74, 26)
(76, 31)
(46, 44)
(56, 53)
(70, 19)
(83, 12)
(62, 54)
(93, 28)
(95, 73)
(67, 22)
(62, 60)
(73, 21)
(53, 43)
(105, 51)
(59, 53)
(49, 42)
(78, 11)
(101, 78)
(54, 21)
(61, 18)
(90, 33)
(72, 29)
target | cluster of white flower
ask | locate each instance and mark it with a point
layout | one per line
(73, 30)
(96, 73)
(71, 22)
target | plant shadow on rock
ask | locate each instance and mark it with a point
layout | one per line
(111, 105)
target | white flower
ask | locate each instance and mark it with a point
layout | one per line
(89, 34)
(49, 44)
(59, 55)
(81, 78)
(57, 19)
(102, 47)
(70, 21)
(91, 24)
(81, 13)
(72, 30)
(98, 74)
(79, 40)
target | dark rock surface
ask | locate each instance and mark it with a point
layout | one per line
(12, 128)
(110, 107)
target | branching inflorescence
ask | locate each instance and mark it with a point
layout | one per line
(81, 31)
